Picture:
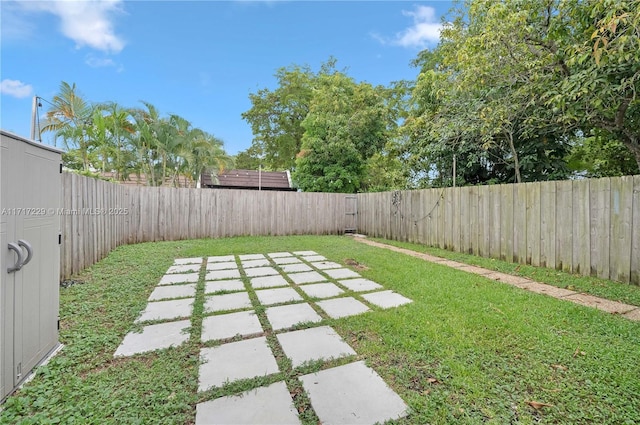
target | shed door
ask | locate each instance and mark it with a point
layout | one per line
(30, 295)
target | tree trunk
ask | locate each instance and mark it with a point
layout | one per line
(516, 162)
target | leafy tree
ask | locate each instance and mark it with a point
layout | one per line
(347, 123)
(276, 116)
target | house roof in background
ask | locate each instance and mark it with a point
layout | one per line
(249, 179)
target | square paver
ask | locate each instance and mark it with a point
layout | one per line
(223, 285)
(235, 301)
(279, 254)
(322, 343)
(352, 394)
(222, 274)
(251, 257)
(321, 290)
(268, 282)
(223, 265)
(386, 299)
(173, 291)
(306, 277)
(323, 265)
(342, 307)
(235, 360)
(311, 258)
(285, 316)
(221, 258)
(360, 285)
(166, 310)
(255, 263)
(305, 253)
(154, 337)
(229, 325)
(170, 279)
(261, 406)
(341, 273)
(287, 260)
(196, 260)
(294, 268)
(277, 296)
(184, 268)
(261, 271)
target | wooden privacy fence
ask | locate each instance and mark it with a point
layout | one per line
(591, 227)
(98, 216)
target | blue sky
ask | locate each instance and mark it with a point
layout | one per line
(199, 59)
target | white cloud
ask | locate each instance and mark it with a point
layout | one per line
(94, 62)
(88, 23)
(15, 88)
(424, 31)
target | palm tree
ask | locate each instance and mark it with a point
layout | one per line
(68, 117)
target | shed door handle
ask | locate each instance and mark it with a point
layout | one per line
(18, 265)
(26, 245)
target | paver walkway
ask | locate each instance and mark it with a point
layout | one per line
(628, 311)
(297, 291)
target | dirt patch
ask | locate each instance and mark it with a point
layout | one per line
(353, 263)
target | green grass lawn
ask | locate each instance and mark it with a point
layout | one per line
(629, 294)
(467, 350)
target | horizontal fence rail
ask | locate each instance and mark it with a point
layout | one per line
(591, 227)
(98, 216)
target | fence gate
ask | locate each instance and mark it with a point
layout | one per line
(351, 211)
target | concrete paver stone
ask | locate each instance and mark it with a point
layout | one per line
(220, 258)
(236, 360)
(321, 343)
(251, 257)
(286, 260)
(166, 310)
(235, 301)
(541, 288)
(633, 315)
(268, 282)
(261, 406)
(154, 337)
(222, 274)
(184, 268)
(352, 394)
(600, 303)
(305, 253)
(295, 268)
(170, 279)
(261, 271)
(323, 265)
(229, 325)
(475, 270)
(173, 291)
(285, 316)
(341, 273)
(342, 307)
(255, 263)
(306, 277)
(277, 296)
(507, 278)
(223, 285)
(222, 265)
(321, 290)
(360, 285)
(386, 299)
(196, 260)
(312, 258)
(279, 254)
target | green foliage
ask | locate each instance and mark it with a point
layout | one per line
(109, 138)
